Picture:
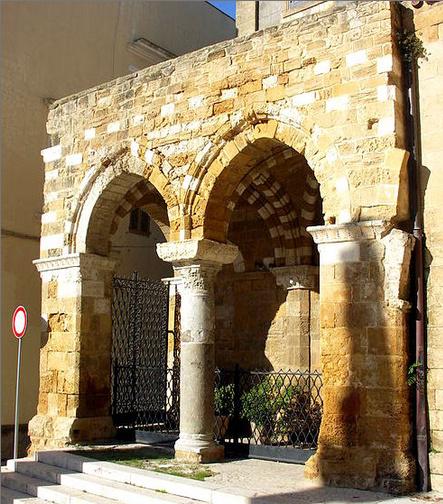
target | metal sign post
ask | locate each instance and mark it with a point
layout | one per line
(19, 325)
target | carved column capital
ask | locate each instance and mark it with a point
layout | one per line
(297, 277)
(197, 277)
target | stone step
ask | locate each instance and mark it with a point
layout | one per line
(47, 491)
(103, 489)
(30, 467)
(173, 485)
(9, 496)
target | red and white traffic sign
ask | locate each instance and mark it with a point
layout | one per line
(19, 321)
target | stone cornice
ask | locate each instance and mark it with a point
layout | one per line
(196, 251)
(77, 260)
(349, 232)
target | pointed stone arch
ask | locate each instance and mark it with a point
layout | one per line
(238, 144)
(107, 191)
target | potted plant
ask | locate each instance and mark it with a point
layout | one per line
(223, 407)
(258, 406)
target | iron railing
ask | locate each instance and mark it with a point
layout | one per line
(272, 408)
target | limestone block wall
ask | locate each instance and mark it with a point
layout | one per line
(429, 25)
(258, 323)
(333, 82)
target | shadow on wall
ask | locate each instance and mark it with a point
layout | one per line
(365, 433)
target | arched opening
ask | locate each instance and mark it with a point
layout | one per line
(128, 350)
(267, 301)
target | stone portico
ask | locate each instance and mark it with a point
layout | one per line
(281, 132)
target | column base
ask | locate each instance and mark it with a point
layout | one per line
(387, 471)
(47, 432)
(198, 453)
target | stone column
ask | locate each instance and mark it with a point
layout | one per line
(365, 433)
(197, 262)
(75, 355)
(299, 281)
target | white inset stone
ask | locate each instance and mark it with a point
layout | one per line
(105, 101)
(386, 126)
(331, 155)
(167, 109)
(340, 252)
(356, 58)
(68, 289)
(195, 101)
(337, 103)
(68, 227)
(74, 159)
(138, 119)
(342, 185)
(89, 133)
(113, 127)
(52, 242)
(51, 153)
(190, 182)
(229, 93)
(344, 216)
(149, 156)
(134, 148)
(51, 175)
(49, 217)
(384, 64)
(270, 82)
(385, 93)
(304, 98)
(322, 67)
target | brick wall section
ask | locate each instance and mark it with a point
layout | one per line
(332, 81)
(429, 26)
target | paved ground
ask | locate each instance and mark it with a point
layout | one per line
(285, 484)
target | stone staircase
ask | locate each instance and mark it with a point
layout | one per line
(63, 478)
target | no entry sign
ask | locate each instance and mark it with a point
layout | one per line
(19, 324)
(19, 321)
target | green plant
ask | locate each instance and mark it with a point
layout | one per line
(412, 373)
(411, 46)
(257, 404)
(265, 400)
(224, 400)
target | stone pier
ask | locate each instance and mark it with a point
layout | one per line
(75, 358)
(365, 433)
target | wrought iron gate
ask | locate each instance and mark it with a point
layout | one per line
(145, 391)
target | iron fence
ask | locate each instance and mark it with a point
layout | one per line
(268, 408)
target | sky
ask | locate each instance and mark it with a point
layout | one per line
(227, 6)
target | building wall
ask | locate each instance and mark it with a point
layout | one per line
(196, 136)
(263, 14)
(429, 26)
(136, 252)
(51, 50)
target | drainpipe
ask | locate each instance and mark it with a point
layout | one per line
(417, 283)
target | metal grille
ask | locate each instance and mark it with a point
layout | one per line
(268, 409)
(144, 390)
